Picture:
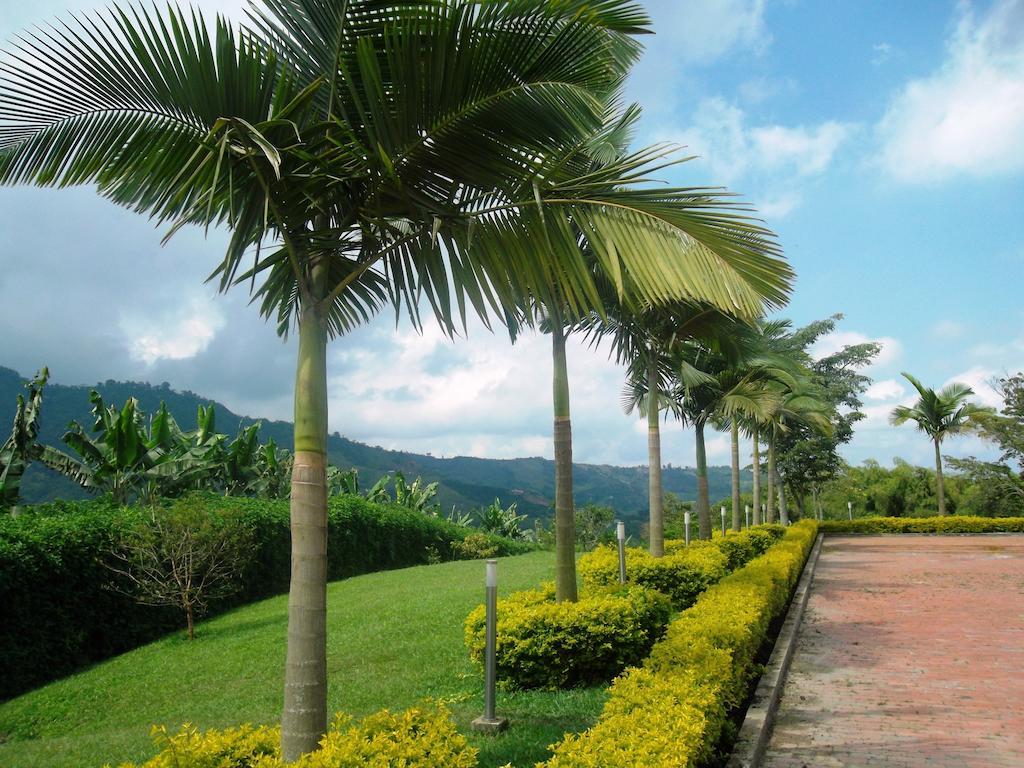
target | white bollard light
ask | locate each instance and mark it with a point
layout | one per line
(490, 722)
(849, 509)
(723, 521)
(686, 525)
(746, 515)
(621, 535)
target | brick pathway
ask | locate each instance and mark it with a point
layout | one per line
(911, 653)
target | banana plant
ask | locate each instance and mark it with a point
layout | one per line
(121, 455)
(21, 447)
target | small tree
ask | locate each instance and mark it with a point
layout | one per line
(938, 415)
(182, 557)
(592, 523)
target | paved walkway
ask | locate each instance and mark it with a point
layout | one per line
(911, 653)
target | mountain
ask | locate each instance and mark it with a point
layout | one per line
(464, 481)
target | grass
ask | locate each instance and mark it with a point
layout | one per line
(394, 638)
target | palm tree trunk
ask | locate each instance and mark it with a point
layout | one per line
(656, 524)
(940, 485)
(703, 502)
(770, 511)
(565, 522)
(735, 475)
(757, 476)
(817, 503)
(304, 720)
(781, 486)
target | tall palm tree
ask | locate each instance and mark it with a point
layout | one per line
(369, 152)
(939, 415)
(645, 339)
(798, 402)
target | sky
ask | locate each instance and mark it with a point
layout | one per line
(883, 142)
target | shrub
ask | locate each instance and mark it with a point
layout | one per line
(681, 575)
(544, 644)
(685, 571)
(58, 615)
(947, 524)
(673, 710)
(417, 738)
(475, 547)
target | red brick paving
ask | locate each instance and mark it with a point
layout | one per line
(911, 653)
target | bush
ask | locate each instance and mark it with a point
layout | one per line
(674, 709)
(947, 524)
(59, 615)
(685, 571)
(416, 738)
(544, 644)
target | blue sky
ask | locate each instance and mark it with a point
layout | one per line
(884, 142)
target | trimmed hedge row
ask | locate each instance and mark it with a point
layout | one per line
(421, 737)
(947, 524)
(672, 711)
(685, 571)
(544, 644)
(58, 615)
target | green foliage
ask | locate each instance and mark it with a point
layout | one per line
(988, 489)
(682, 574)
(421, 737)
(54, 565)
(593, 524)
(476, 546)
(182, 556)
(673, 710)
(544, 644)
(21, 447)
(943, 524)
(502, 521)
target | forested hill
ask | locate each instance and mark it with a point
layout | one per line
(465, 482)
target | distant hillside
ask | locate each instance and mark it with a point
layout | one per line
(465, 482)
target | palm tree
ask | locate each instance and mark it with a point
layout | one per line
(381, 152)
(714, 387)
(939, 415)
(798, 402)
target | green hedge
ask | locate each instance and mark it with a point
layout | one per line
(544, 644)
(947, 524)
(58, 615)
(672, 711)
(685, 571)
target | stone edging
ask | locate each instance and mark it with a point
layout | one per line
(757, 724)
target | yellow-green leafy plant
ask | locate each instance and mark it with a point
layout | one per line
(672, 711)
(682, 574)
(419, 737)
(542, 643)
(947, 524)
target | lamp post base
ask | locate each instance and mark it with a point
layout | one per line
(489, 725)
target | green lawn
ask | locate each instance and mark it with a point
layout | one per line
(393, 639)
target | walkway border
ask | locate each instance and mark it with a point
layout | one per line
(753, 736)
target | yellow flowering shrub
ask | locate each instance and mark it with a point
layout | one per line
(672, 711)
(946, 524)
(544, 644)
(682, 574)
(420, 737)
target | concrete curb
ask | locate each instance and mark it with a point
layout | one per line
(757, 724)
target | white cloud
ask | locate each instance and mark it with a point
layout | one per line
(775, 160)
(704, 32)
(881, 53)
(967, 118)
(887, 389)
(175, 334)
(948, 329)
(807, 150)
(719, 134)
(978, 378)
(831, 343)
